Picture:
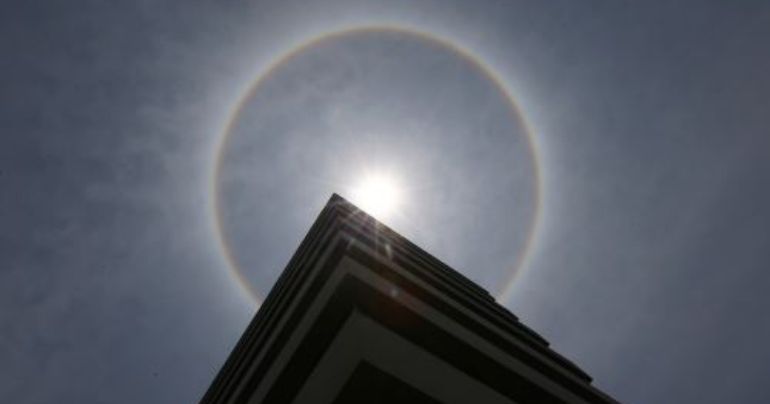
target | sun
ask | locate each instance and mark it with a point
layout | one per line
(378, 194)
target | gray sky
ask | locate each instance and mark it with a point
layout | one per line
(650, 262)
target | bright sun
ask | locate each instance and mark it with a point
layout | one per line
(378, 194)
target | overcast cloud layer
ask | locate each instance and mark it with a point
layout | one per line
(650, 265)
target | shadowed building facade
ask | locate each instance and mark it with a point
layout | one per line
(362, 315)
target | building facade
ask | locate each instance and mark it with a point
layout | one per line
(362, 315)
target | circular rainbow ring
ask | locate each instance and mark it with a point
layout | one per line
(503, 293)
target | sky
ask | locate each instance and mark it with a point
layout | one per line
(649, 185)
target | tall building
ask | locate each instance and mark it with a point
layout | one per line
(362, 315)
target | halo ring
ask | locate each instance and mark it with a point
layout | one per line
(502, 293)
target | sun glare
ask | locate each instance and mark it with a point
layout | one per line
(377, 194)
